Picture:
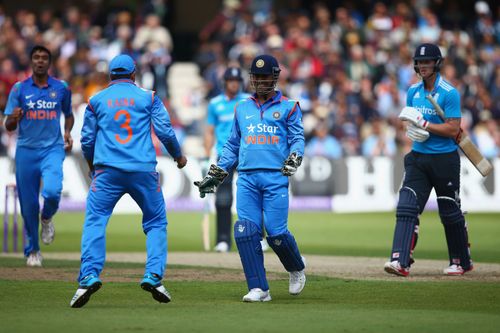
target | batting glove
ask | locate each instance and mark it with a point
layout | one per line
(214, 178)
(291, 164)
(414, 116)
(416, 133)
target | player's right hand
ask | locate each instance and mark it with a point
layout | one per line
(181, 161)
(416, 133)
(214, 178)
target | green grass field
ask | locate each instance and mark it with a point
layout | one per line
(326, 305)
(317, 233)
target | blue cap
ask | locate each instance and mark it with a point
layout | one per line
(122, 64)
(233, 73)
(265, 64)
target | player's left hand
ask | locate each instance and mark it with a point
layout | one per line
(291, 164)
(414, 116)
(68, 142)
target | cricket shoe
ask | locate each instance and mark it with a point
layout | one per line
(89, 285)
(264, 245)
(48, 231)
(221, 247)
(456, 270)
(257, 295)
(152, 283)
(297, 280)
(34, 259)
(394, 267)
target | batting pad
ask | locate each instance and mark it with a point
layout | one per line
(455, 230)
(406, 219)
(286, 248)
(247, 239)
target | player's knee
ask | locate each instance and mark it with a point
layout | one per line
(407, 204)
(449, 211)
(52, 192)
(246, 230)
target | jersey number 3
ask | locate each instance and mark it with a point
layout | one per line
(125, 125)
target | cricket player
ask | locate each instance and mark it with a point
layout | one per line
(35, 106)
(116, 142)
(432, 163)
(219, 122)
(266, 144)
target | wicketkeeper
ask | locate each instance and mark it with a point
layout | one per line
(432, 163)
(266, 144)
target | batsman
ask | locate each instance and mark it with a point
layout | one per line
(266, 145)
(433, 162)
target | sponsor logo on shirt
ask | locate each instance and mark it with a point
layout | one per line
(40, 110)
(262, 134)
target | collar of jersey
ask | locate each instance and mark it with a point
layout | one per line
(275, 99)
(121, 81)
(32, 82)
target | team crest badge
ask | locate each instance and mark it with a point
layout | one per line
(53, 94)
(276, 115)
(259, 63)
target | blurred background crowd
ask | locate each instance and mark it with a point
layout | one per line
(349, 63)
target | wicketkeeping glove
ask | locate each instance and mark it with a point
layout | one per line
(414, 116)
(214, 178)
(291, 164)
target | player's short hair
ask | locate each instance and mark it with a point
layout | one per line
(41, 48)
(120, 76)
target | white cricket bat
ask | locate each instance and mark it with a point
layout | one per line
(205, 225)
(466, 145)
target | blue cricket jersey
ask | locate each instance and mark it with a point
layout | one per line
(449, 99)
(117, 125)
(220, 115)
(40, 126)
(262, 136)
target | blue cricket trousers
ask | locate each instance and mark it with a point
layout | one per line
(32, 167)
(107, 187)
(263, 194)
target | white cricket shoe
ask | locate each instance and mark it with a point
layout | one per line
(264, 245)
(297, 280)
(456, 270)
(221, 247)
(257, 295)
(394, 267)
(34, 259)
(48, 231)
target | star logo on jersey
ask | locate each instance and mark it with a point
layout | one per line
(251, 128)
(30, 105)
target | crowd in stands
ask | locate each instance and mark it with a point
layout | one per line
(349, 67)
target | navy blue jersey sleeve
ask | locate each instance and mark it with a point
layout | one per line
(89, 133)
(66, 101)
(13, 101)
(229, 158)
(163, 128)
(296, 139)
